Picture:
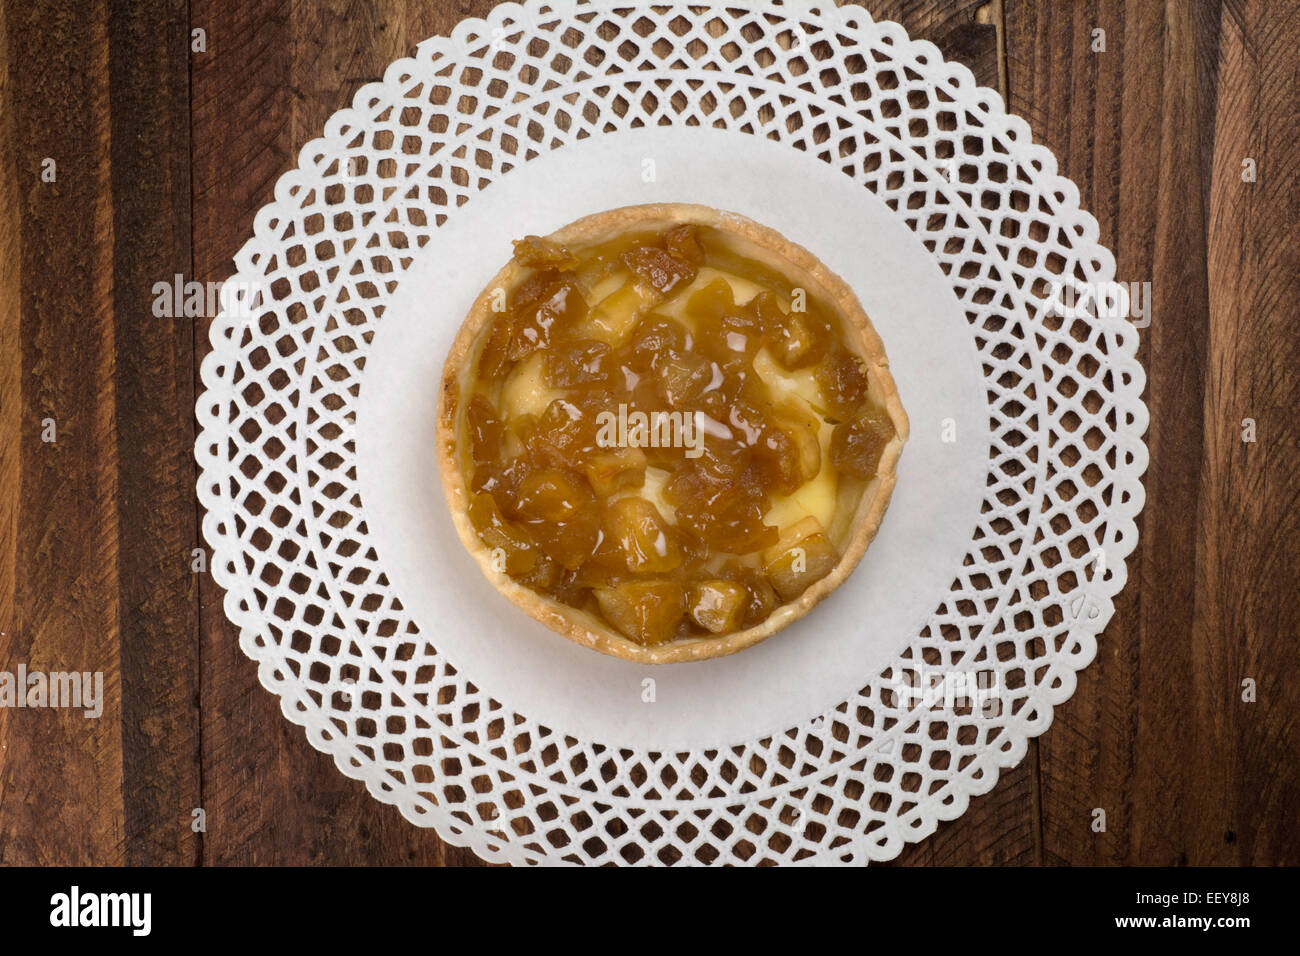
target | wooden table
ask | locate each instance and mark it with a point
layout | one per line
(163, 156)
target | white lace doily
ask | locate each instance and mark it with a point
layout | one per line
(277, 450)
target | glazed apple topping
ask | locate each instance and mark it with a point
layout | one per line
(666, 432)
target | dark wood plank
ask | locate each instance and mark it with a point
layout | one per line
(242, 114)
(1248, 568)
(96, 574)
(1075, 102)
(11, 363)
(60, 772)
(1102, 113)
(11, 407)
(1152, 735)
(153, 402)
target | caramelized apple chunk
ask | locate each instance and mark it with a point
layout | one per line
(493, 360)
(501, 481)
(536, 322)
(717, 606)
(582, 363)
(725, 518)
(796, 339)
(615, 469)
(485, 430)
(803, 555)
(760, 597)
(656, 334)
(683, 375)
(856, 445)
(708, 305)
(550, 494)
(564, 435)
(535, 251)
(614, 317)
(732, 339)
(647, 541)
(843, 380)
(544, 575)
(684, 242)
(791, 449)
(646, 611)
(514, 544)
(663, 270)
(571, 542)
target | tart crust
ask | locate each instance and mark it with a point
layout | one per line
(762, 243)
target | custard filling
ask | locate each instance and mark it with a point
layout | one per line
(667, 430)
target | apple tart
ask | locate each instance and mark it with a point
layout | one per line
(666, 432)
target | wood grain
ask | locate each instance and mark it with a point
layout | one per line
(1153, 131)
(61, 783)
(1248, 616)
(164, 157)
(153, 400)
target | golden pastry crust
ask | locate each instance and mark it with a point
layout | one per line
(764, 243)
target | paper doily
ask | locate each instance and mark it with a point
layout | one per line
(277, 450)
